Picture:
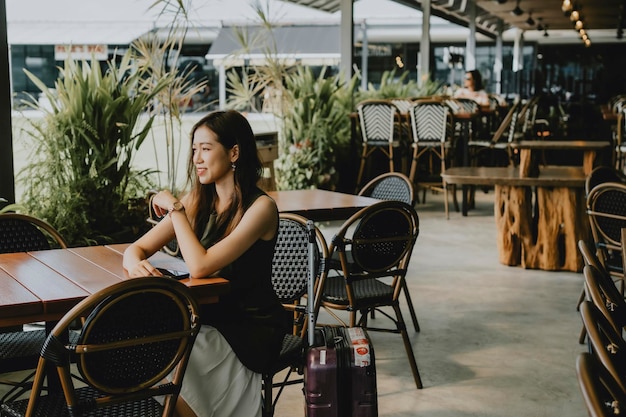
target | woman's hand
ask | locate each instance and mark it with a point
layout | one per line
(143, 269)
(162, 202)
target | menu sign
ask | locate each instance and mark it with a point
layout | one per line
(62, 52)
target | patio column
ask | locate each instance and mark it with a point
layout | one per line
(7, 179)
(498, 64)
(347, 38)
(364, 55)
(222, 85)
(470, 49)
(424, 61)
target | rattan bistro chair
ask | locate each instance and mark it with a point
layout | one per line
(380, 239)
(606, 297)
(606, 208)
(431, 127)
(601, 392)
(19, 349)
(379, 131)
(290, 277)
(606, 343)
(590, 258)
(134, 346)
(388, 186)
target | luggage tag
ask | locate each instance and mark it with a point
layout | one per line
(360, 346)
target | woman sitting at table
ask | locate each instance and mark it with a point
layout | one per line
(227, 226)
(473, 88)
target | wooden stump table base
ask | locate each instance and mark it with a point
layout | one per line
(539, 227)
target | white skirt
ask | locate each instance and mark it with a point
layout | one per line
(216, 383)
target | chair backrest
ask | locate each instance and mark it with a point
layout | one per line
(23, 233)
(605, 296)
(137, 332)
(290, 264)
(590, 257)
(606, 344)
(403, 104)
(381, 241)
(430, 121)
(376, 118)
(606, 207)
(507, 123)
(602, 394)
(602, 174)
(462, 105)
(390, 186)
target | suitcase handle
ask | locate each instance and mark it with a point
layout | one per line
(311, 291)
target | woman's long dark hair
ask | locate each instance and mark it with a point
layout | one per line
(478, 80)
(231, 128)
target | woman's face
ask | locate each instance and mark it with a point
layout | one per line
(469, 81)
(212, 160)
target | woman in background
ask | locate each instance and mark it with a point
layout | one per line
(473, 88)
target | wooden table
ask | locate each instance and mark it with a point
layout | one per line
(539, 219)
(320, 205)
(44, 285)
(529, 158)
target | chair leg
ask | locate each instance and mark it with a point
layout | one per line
(268, 403)
(582, 336)
(361, 167)
(454, 199)
(405, 288)
(445, 200)
(407, 346)
(581, 298)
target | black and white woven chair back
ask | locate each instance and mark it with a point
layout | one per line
(391, 186)
(467, 105)
(17, 234)
(377, 121)
(290, 265)
(384, 236)
(430, 122)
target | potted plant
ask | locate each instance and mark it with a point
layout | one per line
(80, 178)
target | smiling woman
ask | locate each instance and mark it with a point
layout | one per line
(225, 225)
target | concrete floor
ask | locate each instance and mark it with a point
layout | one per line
(495, 340)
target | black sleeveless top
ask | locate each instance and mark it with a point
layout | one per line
(250, 316)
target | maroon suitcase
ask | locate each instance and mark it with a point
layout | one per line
(340, 374)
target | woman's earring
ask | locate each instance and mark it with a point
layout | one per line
(233, 166)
